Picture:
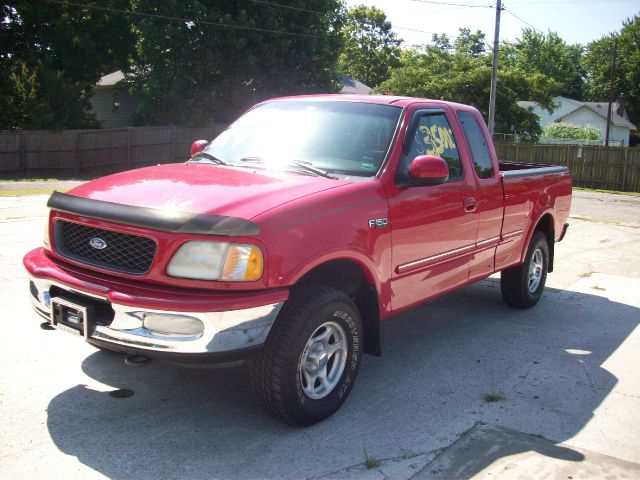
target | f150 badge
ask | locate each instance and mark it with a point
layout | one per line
(378, 223)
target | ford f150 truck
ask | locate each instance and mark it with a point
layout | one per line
(292, 235)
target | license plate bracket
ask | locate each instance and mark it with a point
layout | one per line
(70, 317)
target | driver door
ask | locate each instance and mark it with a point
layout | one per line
(433, 228)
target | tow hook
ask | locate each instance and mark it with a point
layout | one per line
(136, 360)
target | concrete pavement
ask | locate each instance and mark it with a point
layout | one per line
(608, 207)
(565, 374)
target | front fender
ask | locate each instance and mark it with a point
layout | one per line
(366, 264)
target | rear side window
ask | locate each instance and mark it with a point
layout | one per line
(433, 136)
(480, 154)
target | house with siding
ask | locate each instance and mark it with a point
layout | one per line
(588, 113)
(111, 103)
(114, 106)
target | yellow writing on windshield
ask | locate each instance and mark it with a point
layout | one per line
(437, 139)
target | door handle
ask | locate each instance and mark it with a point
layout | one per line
(470, 204)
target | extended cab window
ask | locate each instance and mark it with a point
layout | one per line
(477, 142)
(433, 136)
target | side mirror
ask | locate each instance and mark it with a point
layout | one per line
(429, 170)
(198, 146)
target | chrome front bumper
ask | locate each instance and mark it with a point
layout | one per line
(222, 332)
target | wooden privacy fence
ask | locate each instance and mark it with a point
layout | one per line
(95, 152)
(607, 168)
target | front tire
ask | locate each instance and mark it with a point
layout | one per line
(522, 286)
(310, 361)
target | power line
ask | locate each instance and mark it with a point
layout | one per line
(273, 4)
(453, 4)
(299, 9)
(555, 2)
(419, 31)
(180, 19)
(523, 21)
(429, 12)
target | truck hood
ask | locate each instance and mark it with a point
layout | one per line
(204, 189)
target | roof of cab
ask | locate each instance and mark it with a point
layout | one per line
(336, 97)
(379, 99)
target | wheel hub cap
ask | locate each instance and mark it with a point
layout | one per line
(317, 358)
(323, 360)
(535, 270)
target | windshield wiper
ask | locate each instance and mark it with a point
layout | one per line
(208, 156)
(306, 167)
(252, 159)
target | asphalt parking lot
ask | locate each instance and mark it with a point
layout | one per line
(564, 374)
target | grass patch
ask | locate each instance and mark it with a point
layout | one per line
(592, 219)
(61, 178)
(599, 190)
(34, 191)
(493, 397)
(603, 220)
(598, 287)
(370, 462)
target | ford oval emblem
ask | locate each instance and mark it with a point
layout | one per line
(98, 243)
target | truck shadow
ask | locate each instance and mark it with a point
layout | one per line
(439, 363)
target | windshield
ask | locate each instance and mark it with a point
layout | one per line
(338, 137)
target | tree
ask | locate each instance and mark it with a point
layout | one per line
(51, 55)
(464, 76)
(550, 55)
(230, 55)
(597, 64)
(442, 42)
(371, 48)
(471, 44)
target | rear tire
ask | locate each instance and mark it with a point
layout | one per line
(310, 360)
(522, 286)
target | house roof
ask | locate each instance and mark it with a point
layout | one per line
(110, 79)
(601, 109)
(352, 86)
(598, 107)
(349, 84)
(527, 104)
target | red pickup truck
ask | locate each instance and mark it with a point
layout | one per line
(292, 235)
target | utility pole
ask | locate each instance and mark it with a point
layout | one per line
(494, 72)
(611, 85)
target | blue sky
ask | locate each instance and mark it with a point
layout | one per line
(576, 21)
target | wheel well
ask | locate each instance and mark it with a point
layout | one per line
(545, 225)
(348, 277)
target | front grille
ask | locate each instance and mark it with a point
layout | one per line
(120, 251)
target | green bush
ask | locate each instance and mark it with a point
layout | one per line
(576, 132)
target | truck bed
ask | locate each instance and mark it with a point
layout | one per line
(518, 169)
(530, 189)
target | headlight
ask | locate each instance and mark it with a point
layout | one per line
(229, 262)
(242, 263)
